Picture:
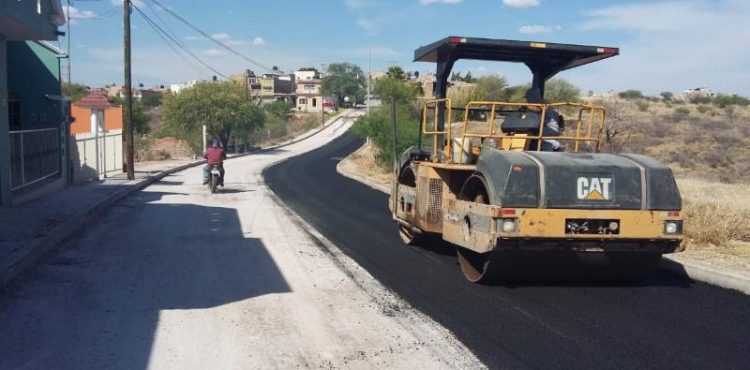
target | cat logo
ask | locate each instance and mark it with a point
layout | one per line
(594, 188)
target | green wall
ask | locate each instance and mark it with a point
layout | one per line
(33, 74)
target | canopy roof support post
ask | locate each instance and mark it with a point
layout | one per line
(441, 90)
(541, 73)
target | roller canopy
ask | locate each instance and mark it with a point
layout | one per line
(543, 59)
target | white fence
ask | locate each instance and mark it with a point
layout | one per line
(96, 156)
(34, 156)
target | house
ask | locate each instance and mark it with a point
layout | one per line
(308, 90)
(275, 87)
(695, 95)
(95, 111)
(96, 138)
(118, 91)
(33, 129)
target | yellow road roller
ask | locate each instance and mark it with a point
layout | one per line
(520, 187)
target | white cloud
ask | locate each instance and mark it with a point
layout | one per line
(76, 13)
(645, 16)
(521, 3)
(220, 36)
(227, 39)
(369, 26)
(535, 29)
(673, 46)
(428, 2)
(212, 53)
(357, 4)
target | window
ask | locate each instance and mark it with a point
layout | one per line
(302, 101)
(314, 102)
(310, 88)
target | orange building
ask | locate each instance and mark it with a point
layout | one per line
(82, 111)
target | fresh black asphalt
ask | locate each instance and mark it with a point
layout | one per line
(666, 322)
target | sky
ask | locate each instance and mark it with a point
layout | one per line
(664, 45)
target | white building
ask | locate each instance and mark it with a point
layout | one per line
(176, 88)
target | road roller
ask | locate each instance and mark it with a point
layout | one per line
(524, 189)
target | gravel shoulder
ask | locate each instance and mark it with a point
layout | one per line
(177, 278)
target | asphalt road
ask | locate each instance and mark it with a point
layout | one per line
(666, 322)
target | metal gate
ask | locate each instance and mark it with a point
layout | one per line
(34, 156)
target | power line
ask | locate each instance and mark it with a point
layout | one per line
(174, 37)
(223, 45)
(159, 29)
(175, 50)
(156, 13)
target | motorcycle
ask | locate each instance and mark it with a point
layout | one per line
(214, 178)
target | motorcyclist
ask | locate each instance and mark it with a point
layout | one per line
(215, 156)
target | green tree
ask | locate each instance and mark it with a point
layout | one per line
(396, 72)
(517, 93)
(631, 94)
(221, 106)
(469, 78)
(561, 91)
(75, 91)
(377, 126)
(152, 99)
(342, 80)
(280, 109)
(722, 100)
(140, 119)
(666, 96)
(398, 88)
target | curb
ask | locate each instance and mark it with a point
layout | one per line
(344, 172)
(712, 277)
(30, 253)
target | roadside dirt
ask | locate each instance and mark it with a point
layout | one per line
(730, 202)
(177, 278)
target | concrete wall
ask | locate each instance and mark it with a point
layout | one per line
(94, 156)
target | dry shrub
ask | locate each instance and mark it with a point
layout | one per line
(710, 223)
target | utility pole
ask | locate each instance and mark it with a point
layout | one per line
(369, 77)
(128, 113)
(67, 40)
(205, 138)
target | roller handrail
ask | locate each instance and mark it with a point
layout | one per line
(593, 128)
